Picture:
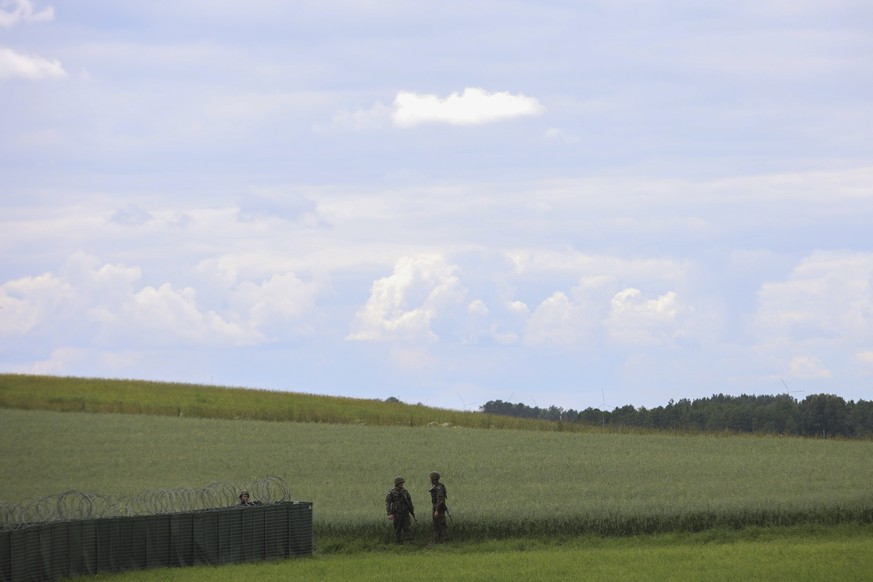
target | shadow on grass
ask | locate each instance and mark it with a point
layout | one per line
(373, 537)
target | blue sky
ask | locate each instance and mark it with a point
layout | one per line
(557, 203)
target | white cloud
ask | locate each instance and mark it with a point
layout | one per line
(592, 313)
(166, 316)
(472, 107)
(259, 263)
(504, 337)
(478, 308)
(406, 303)
(478, 321)
(827, 297)
(277, 301)
(518, 308)
(16, 65)
(601, 267)
(635, 320)
(607, 303)
(26, 302)
(101, 302)
(510, 330)
(555, 321)
(808, 367)
(13, 12)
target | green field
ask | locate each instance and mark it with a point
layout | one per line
(541, 495)
(775, 554)
(501, 482)
(192, 401)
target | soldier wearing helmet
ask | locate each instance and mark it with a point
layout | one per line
(398, 504)
(438, 497)
(245, 500)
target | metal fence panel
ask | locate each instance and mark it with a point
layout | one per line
(62, 549)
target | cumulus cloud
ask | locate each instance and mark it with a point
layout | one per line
(405, 304)
(16, 65)
(636, 320)
(507, 328)
(102, 302)
(165, 315)
(554, 322)
(13, 12)
(518, 308)
(29, 300)
(827, 297)
(277, 301)
(610, 301)
(478, 308)
(472, 107)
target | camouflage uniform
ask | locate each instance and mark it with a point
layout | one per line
(438, 497)
(398, 503)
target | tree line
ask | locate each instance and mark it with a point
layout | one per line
(822, 415)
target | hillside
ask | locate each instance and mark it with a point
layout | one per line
(120, 438)
(69, 394)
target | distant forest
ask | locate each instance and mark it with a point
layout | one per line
(822, 415)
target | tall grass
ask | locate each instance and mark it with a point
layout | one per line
(501, 483)
(66, 394)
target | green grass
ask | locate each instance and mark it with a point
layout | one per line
(63, 394)
(790, 554)
(501, 483)
(538, 503)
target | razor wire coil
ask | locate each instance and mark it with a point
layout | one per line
(75, 505)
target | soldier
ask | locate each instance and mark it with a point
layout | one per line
(438, 497)
(398, 504)
(245, 501)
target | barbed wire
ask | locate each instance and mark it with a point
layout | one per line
(76, 505)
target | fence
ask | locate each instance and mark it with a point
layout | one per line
(57, 548)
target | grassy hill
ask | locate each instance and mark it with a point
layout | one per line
(65, 394)
(532, 499)
(502, 483)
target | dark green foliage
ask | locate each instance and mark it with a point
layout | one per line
(819, 415)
